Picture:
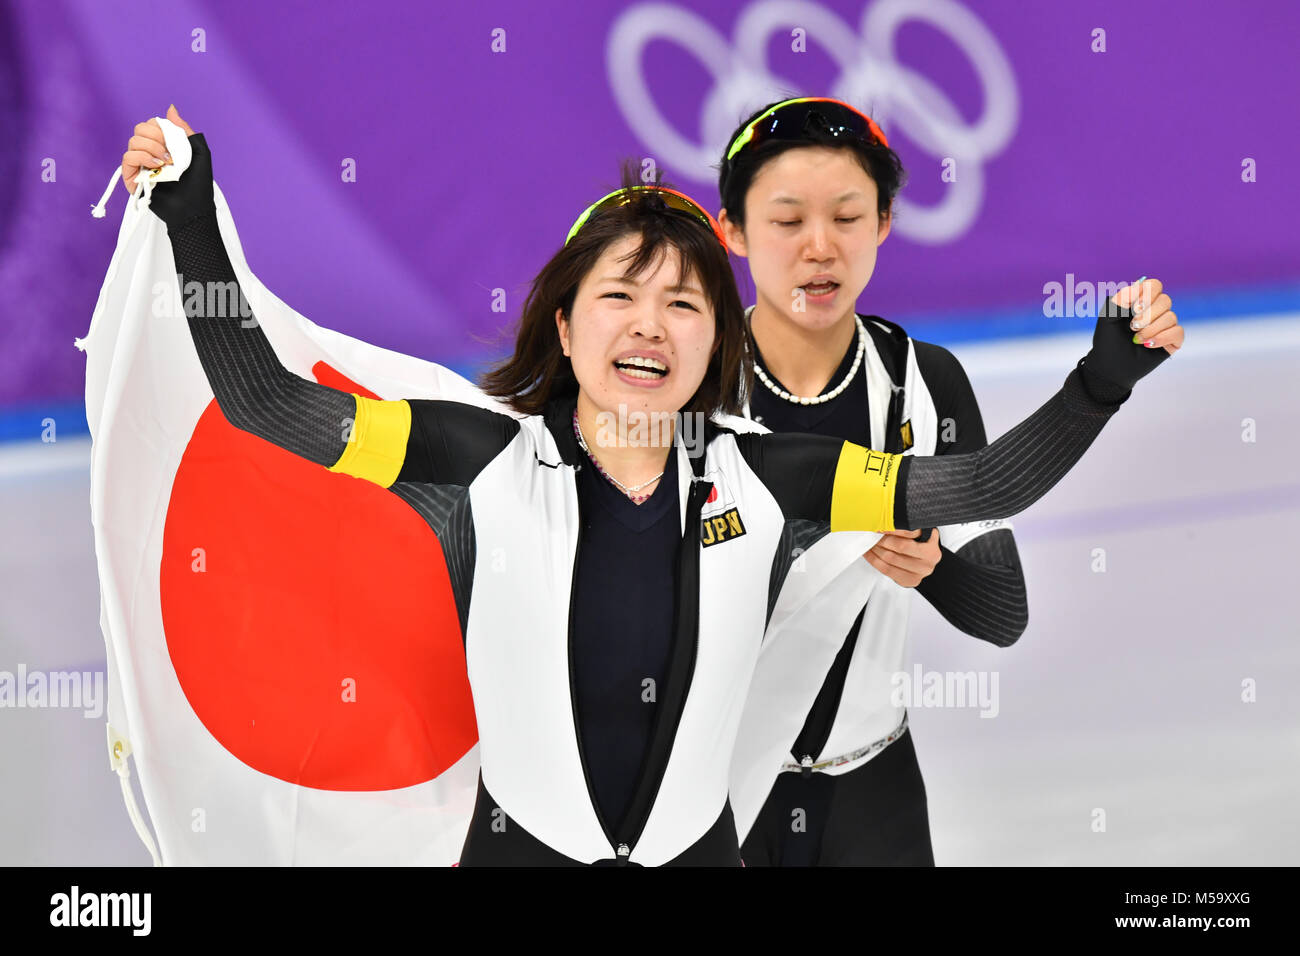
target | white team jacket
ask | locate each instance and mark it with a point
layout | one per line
(525, 513)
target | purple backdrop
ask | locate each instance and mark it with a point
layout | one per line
(471, 163)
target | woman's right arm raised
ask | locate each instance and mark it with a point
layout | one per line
(342, 431)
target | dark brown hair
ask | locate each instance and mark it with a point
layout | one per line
(539, 370)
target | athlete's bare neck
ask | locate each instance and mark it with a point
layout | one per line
(632, 447)
(801, 359)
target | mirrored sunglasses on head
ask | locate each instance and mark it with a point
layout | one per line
(794, 119)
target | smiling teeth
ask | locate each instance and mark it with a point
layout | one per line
(640, 367)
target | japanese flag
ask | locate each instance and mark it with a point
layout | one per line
(285, 661)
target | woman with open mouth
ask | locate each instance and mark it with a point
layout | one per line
(612, 636)
(807, 186)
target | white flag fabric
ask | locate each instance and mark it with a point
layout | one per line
(290, 692)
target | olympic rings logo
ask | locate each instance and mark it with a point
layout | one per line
(870, 76)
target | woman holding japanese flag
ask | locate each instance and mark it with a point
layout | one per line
(598, 578)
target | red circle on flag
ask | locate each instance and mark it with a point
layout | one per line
(310, 619)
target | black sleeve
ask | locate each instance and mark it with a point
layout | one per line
(451, 442)
(254, 391)
(980, 589)
(997, 481)
(1006, 477)
(797, 468)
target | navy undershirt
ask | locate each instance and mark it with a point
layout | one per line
(844, 416)
(623, 627)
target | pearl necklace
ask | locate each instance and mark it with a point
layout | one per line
(799, 400)
(630, 492)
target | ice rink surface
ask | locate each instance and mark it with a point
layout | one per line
(1121, 705)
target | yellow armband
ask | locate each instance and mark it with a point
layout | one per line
(377, 445)
(862, 498)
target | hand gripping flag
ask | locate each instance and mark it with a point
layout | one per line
(289, 692)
